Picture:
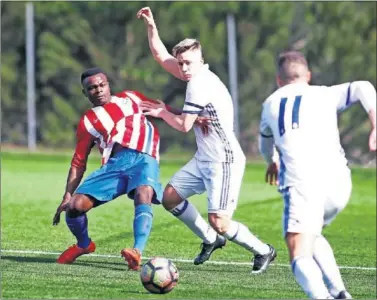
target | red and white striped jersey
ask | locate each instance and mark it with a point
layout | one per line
(119, 121)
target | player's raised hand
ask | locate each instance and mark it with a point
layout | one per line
(204, 124)
(62, 207)
(372, 140)
(272, 174)
(153, 112)
(152, 109)
(146, 14)
(152, 104)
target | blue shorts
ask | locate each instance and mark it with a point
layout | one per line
(122, 174)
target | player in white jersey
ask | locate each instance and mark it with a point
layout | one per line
(300, 120)
(218, 165)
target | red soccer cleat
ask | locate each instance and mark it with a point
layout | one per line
(133, 258)
(73, 252)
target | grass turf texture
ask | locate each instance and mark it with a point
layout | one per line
(32, 186)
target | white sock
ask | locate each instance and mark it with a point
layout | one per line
(189, 215)
(324, 257)
(309, 277)
(241, 235)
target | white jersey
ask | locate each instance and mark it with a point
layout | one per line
(206, 95)
(303, 121)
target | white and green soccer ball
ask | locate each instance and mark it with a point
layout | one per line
(159, 275)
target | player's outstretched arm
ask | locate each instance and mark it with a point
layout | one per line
(141, 99)
(73, 180)
(147, 104)
(366, 92)
(363, 91)
(157, 47)
(196, 99)
(200, 121)
(182, 122)
(85, 143)
(173, 110)
(373, 133)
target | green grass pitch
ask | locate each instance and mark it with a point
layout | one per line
(32, 187)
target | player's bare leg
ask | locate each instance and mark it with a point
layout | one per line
(171, 198)
(188, 214)
(238, 233)
(77, 223)
(304, 268)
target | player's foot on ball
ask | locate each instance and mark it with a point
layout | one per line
(261, 262)
(73, 252)
(207, 250)
(133, 258)
(344, 295)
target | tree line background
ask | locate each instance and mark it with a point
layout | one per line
(338, 38)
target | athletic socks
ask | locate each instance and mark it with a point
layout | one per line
(241, 235)
(188, 214)
(324, 257)
(79, 228)
(142, 225)
(309, 277)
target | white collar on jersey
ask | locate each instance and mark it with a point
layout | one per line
(297, 83)
(202, 70)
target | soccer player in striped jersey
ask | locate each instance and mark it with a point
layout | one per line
(314, 179)
(218, 165)
(129, 145)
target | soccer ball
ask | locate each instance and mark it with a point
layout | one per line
(159, 275)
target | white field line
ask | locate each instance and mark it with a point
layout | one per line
(182, 260)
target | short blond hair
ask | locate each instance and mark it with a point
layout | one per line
(292, 65)
(185, 45)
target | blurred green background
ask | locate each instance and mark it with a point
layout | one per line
(339, 39)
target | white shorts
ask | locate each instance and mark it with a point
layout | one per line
(310, 207)
(222, 181)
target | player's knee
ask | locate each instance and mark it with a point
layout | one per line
(144, 195)
(78, 205)
(73, 213)
(219, 223)
(299, 244)
(171, 199)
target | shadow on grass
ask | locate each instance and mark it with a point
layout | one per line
(28, 259)
(52, 260)
(165, 225)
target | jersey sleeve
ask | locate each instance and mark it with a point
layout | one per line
(266, 142)
(347, 94)
(341, 94)
(84, 144)
(264, 129)
(196, 97)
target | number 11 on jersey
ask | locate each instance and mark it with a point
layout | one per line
(295, 114)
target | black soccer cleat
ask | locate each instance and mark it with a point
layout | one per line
(207, 250)
(344, 295)
(261, 262)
